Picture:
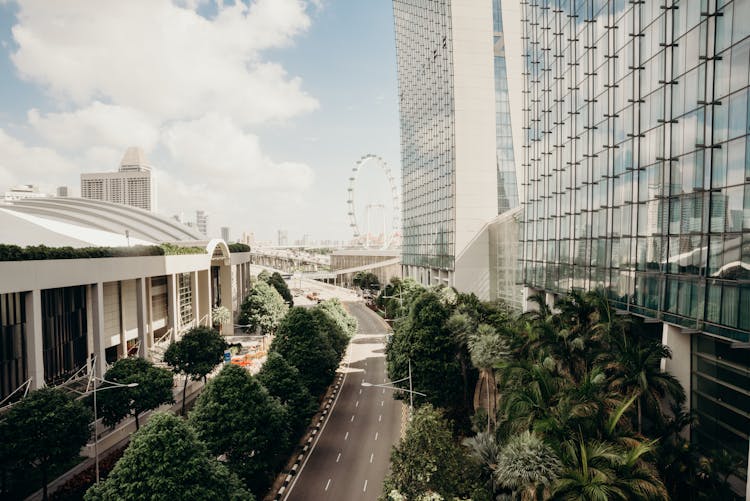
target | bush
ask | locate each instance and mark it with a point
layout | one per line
(238, 247)
(42, 252)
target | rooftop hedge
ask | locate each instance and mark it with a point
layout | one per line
(238, 247)
(42, 252)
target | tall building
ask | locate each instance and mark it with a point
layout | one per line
(225, 233)
(23, 191)
(507, 187)
(133, 184)
(201, 221)
(283, 238)
(637, 180)
(448, 136)
(62, 191)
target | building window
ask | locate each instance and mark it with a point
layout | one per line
(64, 332)
(185, 298)
(13, 370)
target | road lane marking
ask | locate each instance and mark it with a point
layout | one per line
(328, 483)
(346, 437)
(357, 404)
(382, 403)
(380, 418)
(383, 391)
(376, 435)
(385, 379)
(352, 419)
(338, 457)
(364, 489)
(360, 391)
(372, 455)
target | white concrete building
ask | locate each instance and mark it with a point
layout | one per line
(133, 184)
(59, 315)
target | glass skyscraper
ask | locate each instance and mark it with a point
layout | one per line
(637, 179)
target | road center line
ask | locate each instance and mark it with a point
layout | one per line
(372, 455)
(357, 404)
(352, 419)
(346, 437)
(380, 418)
(382, 403)
(328, 483)
(360, 391)
(376, 435)
(338, 457)
(364, 489)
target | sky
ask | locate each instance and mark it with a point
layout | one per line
(255, 112)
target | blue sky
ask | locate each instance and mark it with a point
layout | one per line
(254, 114)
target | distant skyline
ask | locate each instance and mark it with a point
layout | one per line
(255, 112)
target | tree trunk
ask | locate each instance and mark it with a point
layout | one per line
(44, 482)
(184, 392)
(640, 418)
(137, 423)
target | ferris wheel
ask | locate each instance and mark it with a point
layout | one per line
(375, 162)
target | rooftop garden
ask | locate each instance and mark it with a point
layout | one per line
(42, 252)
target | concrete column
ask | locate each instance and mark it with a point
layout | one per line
(149, 313)
(679, 366)
(141, 312)
(122, 350)
(97, 321)
(173, 313)
(34, 338)
(196, 296)
(204, 286)
(225, 281)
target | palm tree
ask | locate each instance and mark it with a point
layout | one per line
(487, 349)
(527, 466)
(483, 448)
(634, 367)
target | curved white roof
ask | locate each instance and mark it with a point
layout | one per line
(79, 222)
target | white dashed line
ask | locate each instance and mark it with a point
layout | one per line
(360, 391)
(383, 391)
(380, 418)
(338, 457)
(352, 419)
(328, 483)
(346, 437)
(376, 435)
(364, 489)
(382, 403)
(357, 404)
(372, 455)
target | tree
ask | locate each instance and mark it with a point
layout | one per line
(301, 342)
(486, 349)
(165, 459)
(199, 351)
(527, 467)
(237, 417)
(154, 388)
(427, 459)
(263, 308)
(424, 338)
(284, 382)
(47, 428)
(219, 316)
(278, 283)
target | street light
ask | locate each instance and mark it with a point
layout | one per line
(391, 386)
(113, 385)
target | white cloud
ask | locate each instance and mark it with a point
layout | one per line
(164, 59)
(24, 164)
(94, 126)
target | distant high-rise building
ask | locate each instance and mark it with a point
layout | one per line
(133, 184)
(24, 191)
(201, 221)
(248, 238)
(449, 149)
(62, 191)
(225, 233)
(283, 237)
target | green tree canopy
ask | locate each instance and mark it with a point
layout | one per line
(428, 459)
(278, 283)
(284, 382)
(236, 416)
(263, 308)
(154, 389)
(199, 351)
(424, 338)
(46, 428)
(165, 460)
(301, 342)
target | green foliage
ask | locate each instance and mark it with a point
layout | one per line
(366, 280)
(176, 250)
(238, 247)
(199, 351)
(527, 466)
(284, 382)
(154, 389)
(220, 315)
(278, 283)
(262, 308)
(300, 340)
(42, 252)
(398, 295)
(237, 417)
(166, 460)
(337, 325)
(424, 338)
(45, 429)
(428, 460)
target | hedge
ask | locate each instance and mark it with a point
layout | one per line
(42, 252)
(238, 247)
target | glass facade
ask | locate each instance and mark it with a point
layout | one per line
(425, 81)
(636, 172)
(13, 370)
(507, 190)
(64, 330)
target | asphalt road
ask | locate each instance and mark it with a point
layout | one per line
(350, 458)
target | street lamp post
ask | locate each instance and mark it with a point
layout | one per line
(391, 386)
(113, 385)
